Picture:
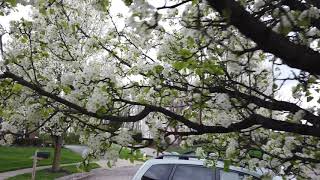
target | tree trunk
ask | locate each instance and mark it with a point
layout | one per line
(57, 141)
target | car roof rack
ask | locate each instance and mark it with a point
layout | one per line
(182, 157)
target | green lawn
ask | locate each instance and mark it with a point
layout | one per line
(47, 175)
(12, 158)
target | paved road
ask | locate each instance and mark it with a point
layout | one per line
(118, 173)
(121, 173)
(123, 169)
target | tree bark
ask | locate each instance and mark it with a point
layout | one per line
(294, 55)
(57, 141)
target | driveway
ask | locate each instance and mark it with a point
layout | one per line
(123, 169)
(117, 173)
(120, 173)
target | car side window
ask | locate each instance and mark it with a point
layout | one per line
(158, 172)
(193, 172)
(234, 175)
(229, 175)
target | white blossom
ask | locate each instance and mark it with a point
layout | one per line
(258, 4)
(312, 31)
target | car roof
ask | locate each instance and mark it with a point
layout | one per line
(193, 160)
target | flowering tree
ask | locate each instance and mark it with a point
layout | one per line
(209, 72)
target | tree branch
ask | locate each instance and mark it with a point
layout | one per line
(294, 55)
(254, 119)
(173, 6)
(71, 105)
(272, 104)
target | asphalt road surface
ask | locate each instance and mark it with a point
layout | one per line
(120, 173)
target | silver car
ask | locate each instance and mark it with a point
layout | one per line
(180, 167)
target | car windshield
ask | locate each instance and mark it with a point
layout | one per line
(191, 172)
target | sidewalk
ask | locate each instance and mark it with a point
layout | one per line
(8, 174)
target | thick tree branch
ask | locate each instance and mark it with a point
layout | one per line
(254, 119)
(264, 122)
(268, 102)
(71, 105)
(294, 55)
(272, 104)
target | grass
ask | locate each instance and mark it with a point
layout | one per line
(12, 158)
(46, 174)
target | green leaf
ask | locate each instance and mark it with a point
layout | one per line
(64, 24)
(75, 27)
(42, 10)
(304, 22)
(46, 112)
(312, 79)
(185, 53)
(102, 110)
(158, 69)
(67, 89)
(190, 41)
(17, 88)
(131, 159)
(285, 30)
(127, 2)
(255, 153)
(51, 11)
(213, 68)
(42, 100)
(194, 2)
(178, 65)
(309, 98)
(104, 5)
(199, 72)
(45, 54)
(226, 165)
(146, 90)
(24, 39)
(109, 164)
(20, 56)
(12, 2)
(274, 86)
